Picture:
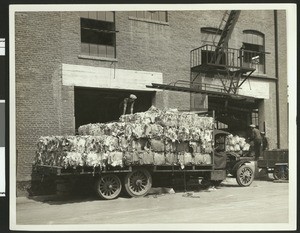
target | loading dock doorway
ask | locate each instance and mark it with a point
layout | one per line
(233, 115)
(93, 105)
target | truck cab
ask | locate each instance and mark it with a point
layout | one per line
(234, 164)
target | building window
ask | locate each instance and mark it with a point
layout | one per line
(254, 54)
(254, 117)
(210, 35)
(98, 34)
(159, 16)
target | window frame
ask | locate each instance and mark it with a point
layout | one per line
(255, 117)
(106, 31)
(261, 50)
(210, 33)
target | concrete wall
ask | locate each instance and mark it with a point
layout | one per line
(100, 77)
(267, 116)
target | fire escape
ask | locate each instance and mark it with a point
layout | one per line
(218, 61)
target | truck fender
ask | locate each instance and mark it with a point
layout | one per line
(237, 165)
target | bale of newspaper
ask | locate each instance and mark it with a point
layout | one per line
(236, 143)
(154, 137)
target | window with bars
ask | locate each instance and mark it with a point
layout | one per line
(98, 34)
(254, 44)
(159, 16)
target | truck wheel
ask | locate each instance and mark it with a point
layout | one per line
(244, 175)
(108, 186)
(138, 183)
(281, 173)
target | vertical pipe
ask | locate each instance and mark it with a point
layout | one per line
(276, 76)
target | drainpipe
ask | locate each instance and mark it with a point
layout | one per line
(276, 75)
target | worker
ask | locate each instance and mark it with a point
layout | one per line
(128, 103)
(265, 141)
(257, 141)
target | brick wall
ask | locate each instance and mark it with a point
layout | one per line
(46, 40)
(282, 79)
(42, 104)
(262, 21)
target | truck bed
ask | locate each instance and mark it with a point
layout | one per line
(60, 171)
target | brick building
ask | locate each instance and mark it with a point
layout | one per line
(74, 68)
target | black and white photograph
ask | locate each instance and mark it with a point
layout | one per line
(152, 117)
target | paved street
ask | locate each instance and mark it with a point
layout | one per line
(262, 202)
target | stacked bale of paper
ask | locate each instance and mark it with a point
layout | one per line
(153, 137)
(236, 143)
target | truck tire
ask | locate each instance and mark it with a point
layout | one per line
(138, 183)
(108, 186)
(244, 175)
(281, 173)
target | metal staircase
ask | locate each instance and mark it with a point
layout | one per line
(229, 18)
(231, 77)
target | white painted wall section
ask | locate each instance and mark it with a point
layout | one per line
(251, 87)
(99, 77)
(255, 88)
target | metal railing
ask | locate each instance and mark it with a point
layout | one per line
(199, 86)
(228, 57)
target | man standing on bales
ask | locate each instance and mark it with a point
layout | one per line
(128, 103)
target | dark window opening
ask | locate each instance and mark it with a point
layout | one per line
(255, 55)
(234, 116)
(98, 35)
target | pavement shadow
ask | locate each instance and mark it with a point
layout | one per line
(60, 199)
(87, 194)
(90, 196)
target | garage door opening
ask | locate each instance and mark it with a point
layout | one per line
(101, 105)
(234, 116)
